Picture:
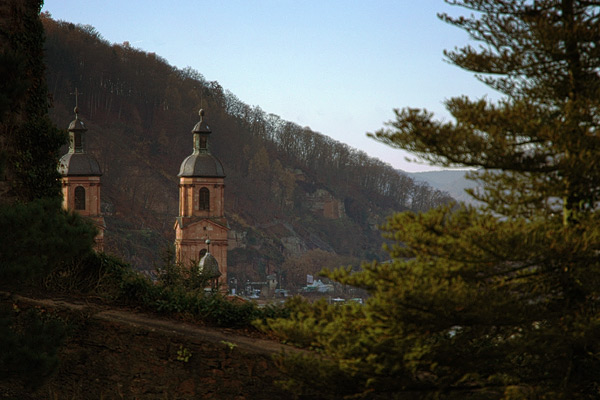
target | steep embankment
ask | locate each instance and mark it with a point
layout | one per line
(118, 353)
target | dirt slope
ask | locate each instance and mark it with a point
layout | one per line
(122, 354)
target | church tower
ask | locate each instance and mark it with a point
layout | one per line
(81, 179)
(201, 218)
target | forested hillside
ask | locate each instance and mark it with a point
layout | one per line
(288, 189)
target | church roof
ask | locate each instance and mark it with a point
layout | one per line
(187, 221)
(78, 164)
(77, 124)
(201, 163)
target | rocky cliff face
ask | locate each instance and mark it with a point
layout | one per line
(325, 204)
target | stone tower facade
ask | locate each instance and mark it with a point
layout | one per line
(201, 221)
(81, 179)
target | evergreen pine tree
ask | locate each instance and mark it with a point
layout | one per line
(29, 142)
(500, 301)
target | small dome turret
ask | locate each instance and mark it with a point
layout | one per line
(208, 265)
(77, 125)
(201, 126)
(201, 163)
(77, 162)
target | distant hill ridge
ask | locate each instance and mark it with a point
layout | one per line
(454, 182)
(140, 112)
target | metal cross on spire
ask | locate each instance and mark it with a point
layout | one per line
(201, 97)
(76, 93)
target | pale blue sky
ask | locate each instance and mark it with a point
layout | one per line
(337, 66)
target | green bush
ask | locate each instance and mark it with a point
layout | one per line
(176, 292)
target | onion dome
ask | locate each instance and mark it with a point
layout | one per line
(201, 163)
(208, 265)
(77, 162)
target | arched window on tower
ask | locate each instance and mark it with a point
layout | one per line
(204, 199)
(80, 198)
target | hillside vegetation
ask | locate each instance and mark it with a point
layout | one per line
(289, 189)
